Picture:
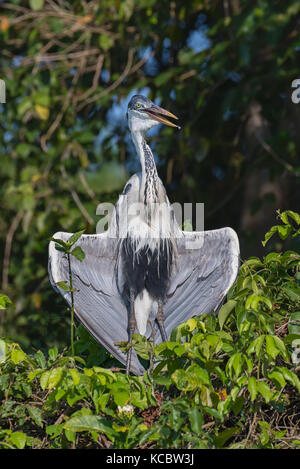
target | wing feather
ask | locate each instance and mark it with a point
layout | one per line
(98, 304)
(206, 266)
(202, 275)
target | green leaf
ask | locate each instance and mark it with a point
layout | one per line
(273, 257)
(18, 439)
(78, 253)
(71, 436)
(4, 301)
(284, 231)
(53, 353)
(196, 374)
(224, 436)
(105, 42)
(141, 346)
(54, 430)
(42, 98)
(235, 364)
(252, 388)
(264, 390)
(254, 300)
(120, 394)
(40, 359)
(290, 377)
(271, 348)
(295, 216)
(60, 242)
(277, 376)
(265, 428)
(3, 351)
(281, 347)
(180, 378)
(225, 311)
(253, 262)
(71, 398)
(64, 286)
(44, 380)
(75, 375)
(75, 237)
(35, 414)
(196, 419)
(17, 355)
(269, 234)
(90, 423)
(212, 412)
(292, 290)
(24, 106)
(36, 4)
(54, 377)
(294, 323)
(256, 345)
(191, 324)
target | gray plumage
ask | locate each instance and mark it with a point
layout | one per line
(202, 265)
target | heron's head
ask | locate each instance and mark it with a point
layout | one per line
(143, 114)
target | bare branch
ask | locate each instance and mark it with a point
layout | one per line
(8, 245)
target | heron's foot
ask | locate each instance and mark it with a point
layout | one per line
(128, 361)
(161, 320)
(132, 325)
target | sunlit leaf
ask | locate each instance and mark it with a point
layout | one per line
(42, 111)
(36, 4)
(225, 311)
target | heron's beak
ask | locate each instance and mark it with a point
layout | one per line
(158, 112)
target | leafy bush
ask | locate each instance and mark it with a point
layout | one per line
(225, 381)
(64, 145)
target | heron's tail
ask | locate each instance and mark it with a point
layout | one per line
(143, 307)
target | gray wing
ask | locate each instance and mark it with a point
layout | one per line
(98, 304)
(206, 266)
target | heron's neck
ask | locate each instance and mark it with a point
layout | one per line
(149, 186)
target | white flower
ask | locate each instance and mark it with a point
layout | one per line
(126, 409)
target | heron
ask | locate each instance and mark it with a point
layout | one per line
(144, 273)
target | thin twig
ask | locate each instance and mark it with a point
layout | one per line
(8, 244)
(114, 85)
(251, 427)
(95, 79)
(76, 198)
(276, 157)
(56, 122)
(72, 303)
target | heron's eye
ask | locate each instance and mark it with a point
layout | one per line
(138, 105)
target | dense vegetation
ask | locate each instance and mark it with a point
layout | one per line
(226, 69)
(221, 381)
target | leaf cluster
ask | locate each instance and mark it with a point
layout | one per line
(221, 381)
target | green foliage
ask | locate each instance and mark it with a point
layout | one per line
(63, 146)
(67, 248)
(291, 225)
(222, 381)
(226, 381)
(4, 301)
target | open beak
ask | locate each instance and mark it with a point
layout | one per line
(158, 113)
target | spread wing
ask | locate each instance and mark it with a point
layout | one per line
(206, 267)
(98, 304)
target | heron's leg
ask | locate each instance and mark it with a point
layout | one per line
(161, 320)
(132, 325)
